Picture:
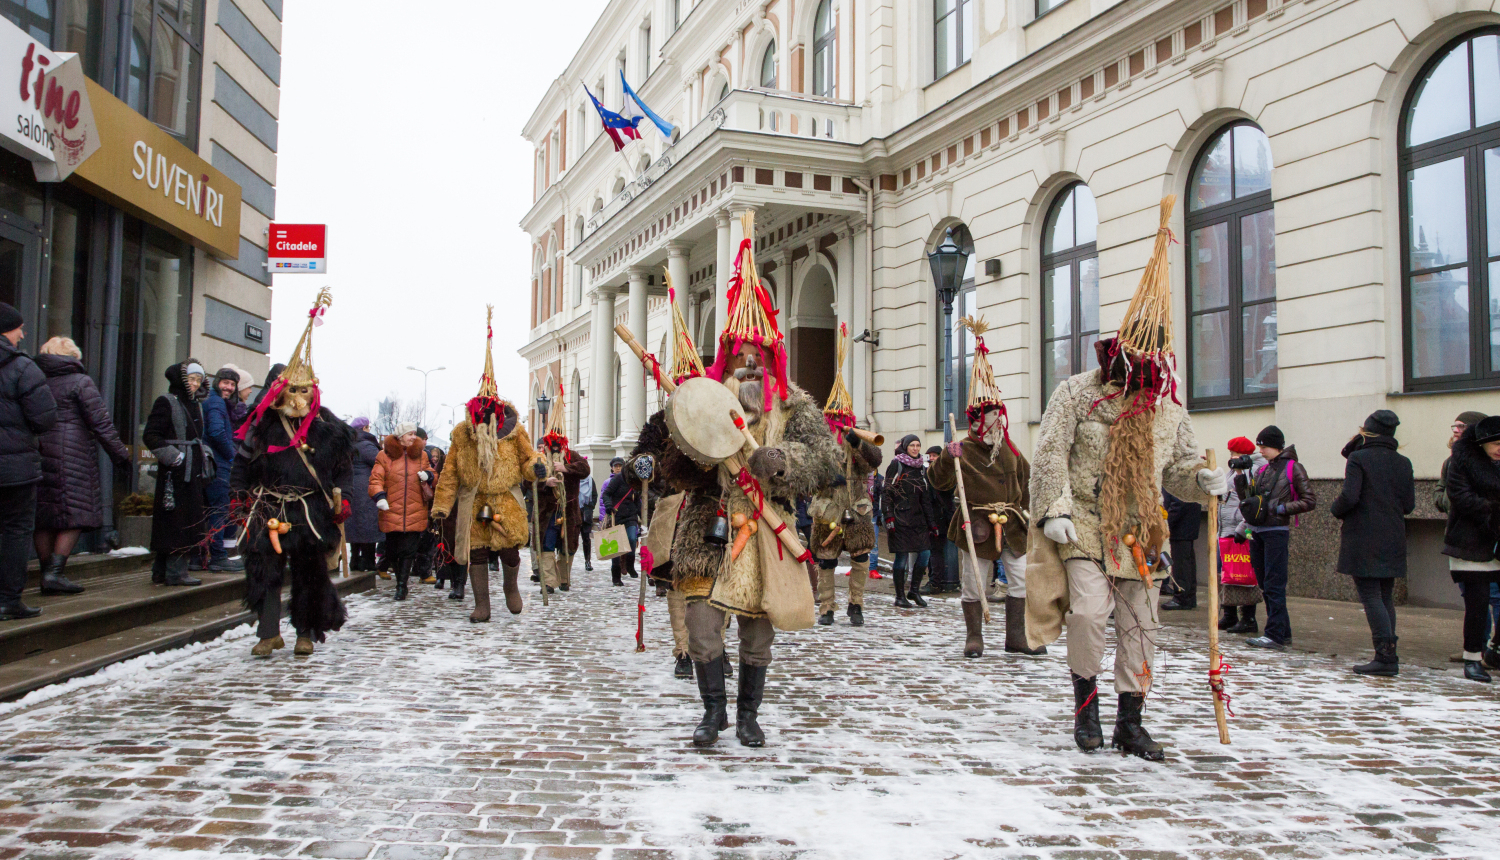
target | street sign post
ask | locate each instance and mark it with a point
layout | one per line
(297, 249)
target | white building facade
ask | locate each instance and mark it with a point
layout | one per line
(1330, 160)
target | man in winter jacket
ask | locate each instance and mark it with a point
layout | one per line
(620, 505)
(218, 433)
(1290, 492)
(26, 410)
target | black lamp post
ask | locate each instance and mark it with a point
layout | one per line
(543, 406)
(948, 262)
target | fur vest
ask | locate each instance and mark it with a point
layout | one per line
(830, 534)
(463, 489)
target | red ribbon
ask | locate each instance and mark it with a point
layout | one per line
(1216, 683)
(655, 366)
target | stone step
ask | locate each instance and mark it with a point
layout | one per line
(86, 566)
(90, 654)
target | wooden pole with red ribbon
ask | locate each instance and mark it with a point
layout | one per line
(1216, 664)
(963, 506)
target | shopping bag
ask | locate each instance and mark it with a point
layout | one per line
(1234, 566)
(613, 541)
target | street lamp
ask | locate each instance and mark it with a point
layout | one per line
(543, 406)
(948, 262)
(424, 387)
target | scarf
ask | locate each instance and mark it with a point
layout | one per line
(914, 462)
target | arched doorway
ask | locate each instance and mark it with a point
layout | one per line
(811, 339)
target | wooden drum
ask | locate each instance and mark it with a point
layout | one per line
(700, 416)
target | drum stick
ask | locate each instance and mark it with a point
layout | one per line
(623, 332)
(963, 501)
(1215, 659)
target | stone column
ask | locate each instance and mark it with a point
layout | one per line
(725, 268)
(601, 384)
(633, 411)
(677, 267)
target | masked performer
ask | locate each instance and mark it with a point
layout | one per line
(995, 481)
(1111, 440)
(796, 457)
(489, 452)
(559, 518)
(292, 479)
(842, 512)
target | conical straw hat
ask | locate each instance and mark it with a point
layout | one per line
(751, 318)
(557, 418)
(299, 369)
(984, 393)
(839, 413)
(685, 360)
(1144, 341)
(487, 379)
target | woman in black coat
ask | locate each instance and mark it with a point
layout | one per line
(1379, 491)
(907, 506)
(1470, 539)
(174, 433)
(362, 530)
(68, 498)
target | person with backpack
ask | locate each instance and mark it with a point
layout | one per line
(1271, 499)
(1378, 493)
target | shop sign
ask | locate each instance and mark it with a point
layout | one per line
(297, 249)
(45, 112)
(144, 170)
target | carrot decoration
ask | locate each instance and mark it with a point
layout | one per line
(747, 527)
(1140, 558)
(275, 529)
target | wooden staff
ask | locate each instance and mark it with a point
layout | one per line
(536, 534)
(640, 601)
(963, 502)
(1215, 659)
(735, 464)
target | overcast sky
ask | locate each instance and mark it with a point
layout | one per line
(401, 129)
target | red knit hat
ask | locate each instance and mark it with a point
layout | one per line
(1241, 445)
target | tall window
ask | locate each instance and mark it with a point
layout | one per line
(575, 409)
(953, 33)
(577, 267)
(1450, 249)
(825, 50)
(1231, 271)
(768, 67)
(166, 55)
(1070, 286)
(676, 14)
(75, 25)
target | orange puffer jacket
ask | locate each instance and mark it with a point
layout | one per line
(395, 479)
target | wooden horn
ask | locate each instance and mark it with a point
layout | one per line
(876, 439)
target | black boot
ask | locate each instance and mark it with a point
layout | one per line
(684, 668)
(1086, 731)
(403, 575)
(856, 615)
(914, 591)
(1247, 623)
(53, 581)
(177, 573)
(1015, 628)
(728, 665)
(1130, 737)
(159, 569)
(715, 703)
(630, 565)
(614, 573)
(1385, 664)
(747, 706)
(826, 618)
(458, 575)
(901, 601)
(1228, 617)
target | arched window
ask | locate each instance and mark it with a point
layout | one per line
(1070, 286)
(575, 410)
(825, 51)
(1231, 270)
(1450, 225)
(768, 67)
(724, 91)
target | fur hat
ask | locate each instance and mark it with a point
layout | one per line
(1241, 445)
(1271, 437)
(1487, 430)
(1382, 422)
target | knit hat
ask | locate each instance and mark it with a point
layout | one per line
(1487, 430)
(10, 318)
(1271, 437)
(404, 428)
(1382, 422)
(1241, 445)
(1470, 418)
(839, 413)
(935, 449)
(360, 423)
(751, 319)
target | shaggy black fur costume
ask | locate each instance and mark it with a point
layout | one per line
(255, 477)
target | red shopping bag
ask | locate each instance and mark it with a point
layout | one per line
(1234, 567)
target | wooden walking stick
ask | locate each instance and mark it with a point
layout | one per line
(963, 501)
(644, 573)
(1215, 659)
(536, 536)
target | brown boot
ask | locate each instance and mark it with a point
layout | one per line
(512, 589)
(264, 647)
(1015, 628)
(303, 647)
(479, 579)
(974, 625)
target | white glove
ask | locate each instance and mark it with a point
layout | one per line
(383, 505)
(1060, 530)
(423, 475)
(1214, 482)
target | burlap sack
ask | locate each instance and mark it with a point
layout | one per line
(788, 597)
(1046, 590)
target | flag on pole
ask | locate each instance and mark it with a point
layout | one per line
(634, 105)
(616, 126)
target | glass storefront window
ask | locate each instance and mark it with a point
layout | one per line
(66, 291)
(19, 192)
(155, 306)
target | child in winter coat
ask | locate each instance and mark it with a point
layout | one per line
(396, 483)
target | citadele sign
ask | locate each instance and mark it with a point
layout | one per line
(297, 249)
(45, 113)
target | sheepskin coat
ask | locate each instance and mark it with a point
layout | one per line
(998, 487)
(463, 481)
(1068, 468)
(849, 492)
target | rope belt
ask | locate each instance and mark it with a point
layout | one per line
(283, 498)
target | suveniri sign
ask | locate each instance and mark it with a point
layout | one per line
(144, 170)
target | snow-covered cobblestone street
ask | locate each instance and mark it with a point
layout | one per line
(413, 734)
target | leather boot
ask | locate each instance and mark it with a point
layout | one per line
(974, 627)
(1015, 628)
(1130, 737)
(304, 647)
(747, 706)
(53, 581)
(614, 573)
(901, 601)
(1247, 623)
(479, 575)
(1385, 664)
(510, 582)
(458, 575)
(403, 576)
(715, 703)
(177, 573)
(1230, 616)
(264, 647)
(1086, 730)
(914, 591)
(856, 615)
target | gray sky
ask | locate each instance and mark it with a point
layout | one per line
(401, 129)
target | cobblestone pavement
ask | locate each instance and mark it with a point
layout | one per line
(413, 734)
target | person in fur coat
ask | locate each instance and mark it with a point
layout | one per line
(841, 515)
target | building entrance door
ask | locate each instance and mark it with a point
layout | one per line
(812, 339)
